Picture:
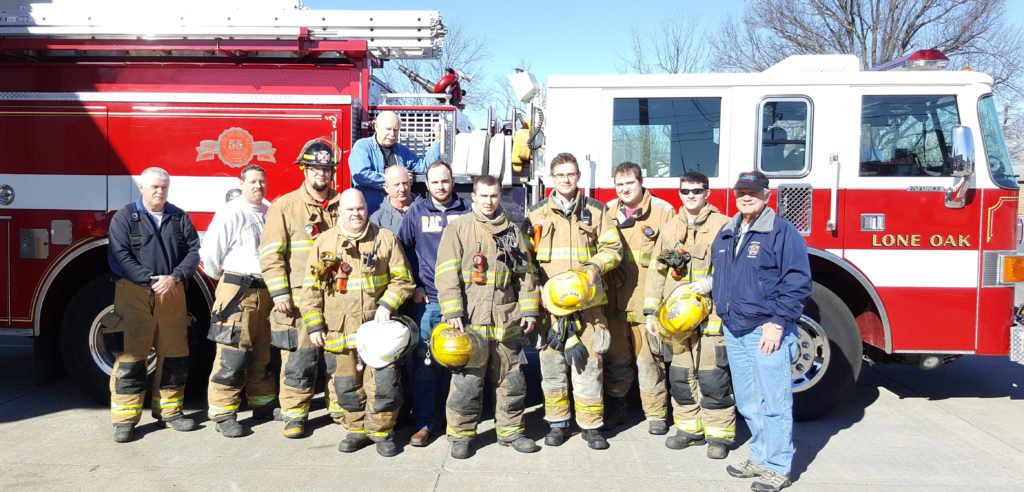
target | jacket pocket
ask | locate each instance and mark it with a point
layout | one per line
(284, 334)
(547, 235)
(647, 250)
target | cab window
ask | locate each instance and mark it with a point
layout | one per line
(668, 136)
(907, 135)
(782, 146)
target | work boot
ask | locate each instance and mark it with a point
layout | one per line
(594, 439)
(683, 440)
(230, 428)
(745, 469)
(770, 481)
(460, 450)
(521, 444)
(614, 412)
(657, 427)
(387, 448)
(267, 413)
(420, 438)
(353, 442)
(180, 424)
(124, 432)
(295, 429)
(556, 436)
(717, 450)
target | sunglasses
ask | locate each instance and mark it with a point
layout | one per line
(694, 191)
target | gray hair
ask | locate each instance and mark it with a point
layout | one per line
(156, 172)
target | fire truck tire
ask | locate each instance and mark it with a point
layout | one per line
(829, 355)
(87, 353)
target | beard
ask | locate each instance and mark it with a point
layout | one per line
(319, 186)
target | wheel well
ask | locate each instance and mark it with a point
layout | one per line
(870, 315)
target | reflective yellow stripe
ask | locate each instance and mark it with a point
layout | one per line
(610, 260)
(498, 334)
(652, 303)
(367, 283)
(595, 409)
(334, 407)
(259, 400)
(342, 342)
(301, 245)
(400, 272)
(451, 306)
(215, 411)
(528, 304)
(629, 257)
(296, 413)
(492, 277)
(446, 266)
(572, 342)
(509, 431)
(164, 403)
(720, 432)
(713, 327)
(582, 254)
(126, 410)
(271, 248)
(380, 434)
(453, 432)
(312, 319)
(693, 426)
(391, 299)
(609, 236)
(277, 283)
(556, 401)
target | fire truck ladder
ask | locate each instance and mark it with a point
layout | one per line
(107, 29)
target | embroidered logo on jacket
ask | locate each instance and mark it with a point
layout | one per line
(753, 249)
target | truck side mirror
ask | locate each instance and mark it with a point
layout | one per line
(962, 156)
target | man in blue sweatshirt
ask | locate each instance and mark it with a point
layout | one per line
(761, 279)
(372, 155)
(420, 235)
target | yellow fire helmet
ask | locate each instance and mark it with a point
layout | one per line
(455, 349)
(568, 292)
(682, 311)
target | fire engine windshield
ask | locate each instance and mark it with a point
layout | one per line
(907, 135)
(668, 136)
(996, 153)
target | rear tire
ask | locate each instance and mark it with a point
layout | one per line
(829, 355)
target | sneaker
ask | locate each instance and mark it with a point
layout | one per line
(521, 444)
(124, 432)
(657, 427)
(387, 448)
(295, 429)
(770, 481)
(460, 450)
(683, 440)
(353, 442)
(745, 469)
(717, 450)
(230, 428)
(181, 424)
(556, 436)
(267, 413)
(594, 439)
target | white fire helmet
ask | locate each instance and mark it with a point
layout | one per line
(381, 344)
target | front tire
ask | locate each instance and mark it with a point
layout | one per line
(829, 354)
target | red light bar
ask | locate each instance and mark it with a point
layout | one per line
(918, 60)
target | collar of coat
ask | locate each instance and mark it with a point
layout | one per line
(332, 197)
(618, 209)
(494, 226)
(702, 217)
(763, 223)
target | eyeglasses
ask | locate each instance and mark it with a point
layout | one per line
(693, 191)
(321, 170)
(563, 177)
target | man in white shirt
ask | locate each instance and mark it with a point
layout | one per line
(240, 317)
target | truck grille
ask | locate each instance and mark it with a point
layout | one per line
(795, 206)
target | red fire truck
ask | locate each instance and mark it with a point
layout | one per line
(899, 179)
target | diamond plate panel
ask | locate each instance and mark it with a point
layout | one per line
(795, 206)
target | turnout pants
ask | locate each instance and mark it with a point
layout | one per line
(586, 386)
(369, 398)
(465, 398)
(149, 321)
(299, 358)
(629, 346)
(702, 399)
(243, 353)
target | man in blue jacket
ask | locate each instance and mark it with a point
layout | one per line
(371, 155)
(420, 235)
(761, 280)
(154, 250)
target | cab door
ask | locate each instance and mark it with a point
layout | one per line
(5, 270)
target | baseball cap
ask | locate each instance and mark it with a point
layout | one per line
(752, 180)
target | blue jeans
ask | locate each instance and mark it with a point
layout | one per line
(763, 385)
(428, 380)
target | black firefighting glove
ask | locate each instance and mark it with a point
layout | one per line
(675, 258)
(575, 354)
(556, 336)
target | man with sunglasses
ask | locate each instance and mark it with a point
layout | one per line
(639, 217)
(703, 408)
(294, 220)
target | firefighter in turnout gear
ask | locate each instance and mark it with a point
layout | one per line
(703, 406)
(293, 222)
(573, 232)
(487, 285)
(239, 320)
(632, 357)
(356, 272)
(154, 250)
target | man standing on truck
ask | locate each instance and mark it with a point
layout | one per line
(398, 185)
(703, 408)
(761, 279)
(154, 250)
(639, 217)
(572, 232)
(372, 155)
(240, 323)
(293, 222)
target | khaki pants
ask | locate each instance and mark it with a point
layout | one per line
(149, 321)
(702, 398)
(465, 399)
(242, 364)
(369, 398)
(586, 386)
(630, 346)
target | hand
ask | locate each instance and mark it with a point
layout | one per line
(702, 286)
(419, 296)
(771, 338)
(652, 326)
(317, 338)
(457, 324)
(383, 315)
(283, 304)
(528, 323)
(163, 285)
